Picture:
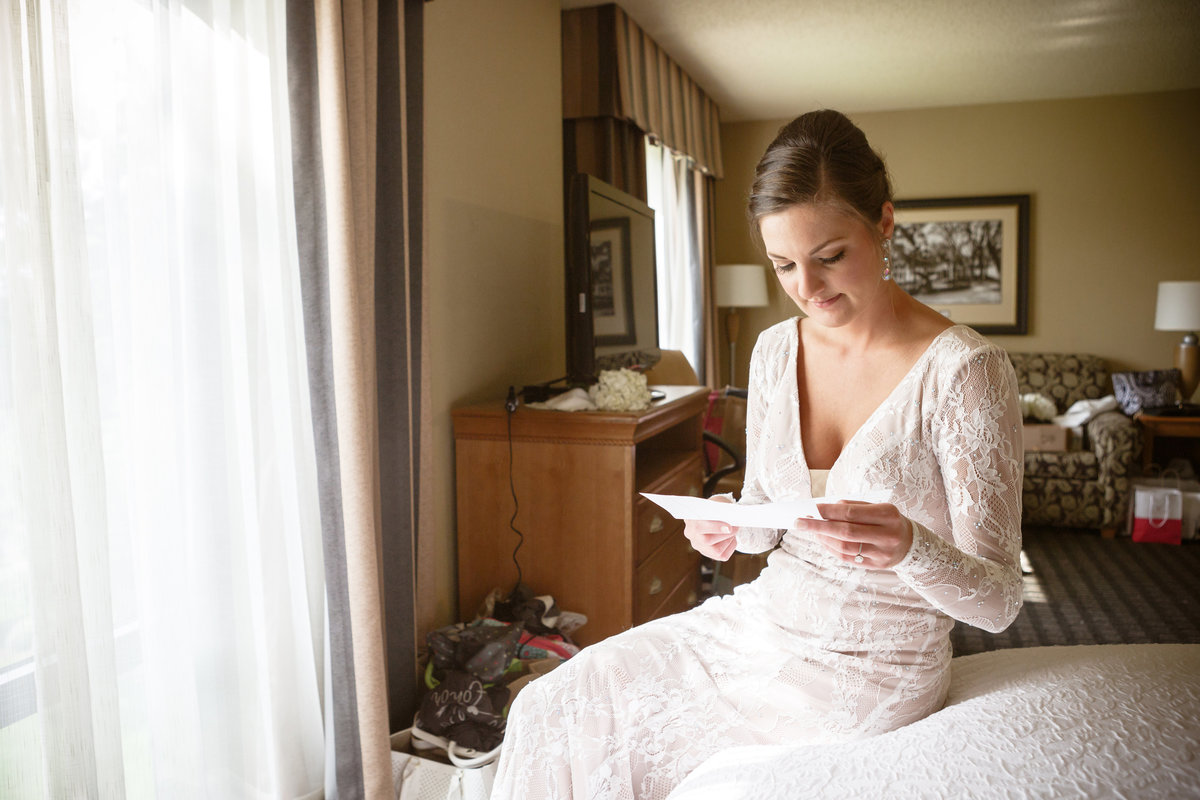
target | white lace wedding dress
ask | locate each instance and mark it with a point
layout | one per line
(815, 649)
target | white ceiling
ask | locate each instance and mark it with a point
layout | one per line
(772, 59)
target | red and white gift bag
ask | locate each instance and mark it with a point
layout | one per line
(1156, 514)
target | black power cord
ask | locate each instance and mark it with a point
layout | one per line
(541, 392)
(510, 405)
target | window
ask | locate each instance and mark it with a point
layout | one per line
(160, 579)
(671, 191)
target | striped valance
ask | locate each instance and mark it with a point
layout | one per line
(611, 68)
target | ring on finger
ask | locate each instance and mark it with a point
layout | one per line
(858, 559)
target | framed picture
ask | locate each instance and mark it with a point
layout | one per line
(612, 282)
(967, 257)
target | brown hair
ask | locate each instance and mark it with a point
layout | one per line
(820, 157)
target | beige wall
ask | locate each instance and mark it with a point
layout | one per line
(1115, 186)
(494, 232)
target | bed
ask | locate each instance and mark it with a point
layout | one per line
(1085, 721)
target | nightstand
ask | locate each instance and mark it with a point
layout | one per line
(1165, 428)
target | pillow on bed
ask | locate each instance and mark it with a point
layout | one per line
(1087, 721)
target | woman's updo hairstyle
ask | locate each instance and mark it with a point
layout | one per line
(821, 157)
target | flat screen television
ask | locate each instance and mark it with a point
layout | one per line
(612, 286)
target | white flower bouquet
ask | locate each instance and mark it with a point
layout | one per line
(620, 390)
(1037, 406)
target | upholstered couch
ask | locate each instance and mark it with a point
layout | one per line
(1087, 488)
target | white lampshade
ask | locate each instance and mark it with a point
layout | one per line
(741, 285)
(1178, 306)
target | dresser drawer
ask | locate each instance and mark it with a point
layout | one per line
(685, 595)
(652, 525)
(655, 579)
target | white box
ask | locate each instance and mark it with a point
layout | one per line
(1040, 437)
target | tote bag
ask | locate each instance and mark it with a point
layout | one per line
(469, 776)
(1136, 391)
(1157, 514)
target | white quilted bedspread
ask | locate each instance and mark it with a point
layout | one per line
(1098, 721)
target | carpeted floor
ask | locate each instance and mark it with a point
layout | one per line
(1082, 589)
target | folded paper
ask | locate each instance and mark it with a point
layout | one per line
(781, 514)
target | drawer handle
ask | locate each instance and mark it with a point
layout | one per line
(656, 524)
(655, 585)
(692, 598)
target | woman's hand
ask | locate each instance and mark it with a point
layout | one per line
(717, 540)
(866, 534)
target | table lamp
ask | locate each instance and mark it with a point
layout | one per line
(739, 286)
(1179, 310)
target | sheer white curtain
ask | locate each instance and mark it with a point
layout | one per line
(160, 571)
(670, 192)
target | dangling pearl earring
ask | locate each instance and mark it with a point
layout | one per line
(887, 259)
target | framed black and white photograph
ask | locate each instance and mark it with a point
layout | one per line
(967, 257)
(612, 282)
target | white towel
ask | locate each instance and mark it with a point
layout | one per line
(571, 400)
(1084, 410)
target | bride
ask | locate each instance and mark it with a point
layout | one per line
(845, 633)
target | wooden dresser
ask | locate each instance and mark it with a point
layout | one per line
(591, 540)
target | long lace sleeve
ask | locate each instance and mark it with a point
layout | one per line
(974, 576)
(766, 364)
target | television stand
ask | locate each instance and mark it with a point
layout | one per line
(590, 540)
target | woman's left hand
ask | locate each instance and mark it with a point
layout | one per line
(865, 534)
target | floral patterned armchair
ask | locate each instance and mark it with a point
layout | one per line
(1088, 488)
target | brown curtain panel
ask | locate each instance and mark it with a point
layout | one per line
(706, 187)
(612, 69)
(356, 157)
(405, 427)
(613, 150)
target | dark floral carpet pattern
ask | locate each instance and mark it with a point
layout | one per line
(1082, 589)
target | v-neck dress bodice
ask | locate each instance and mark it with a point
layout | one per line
(816, 649)
(785, 389)
(817, 479)
(792, 342)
